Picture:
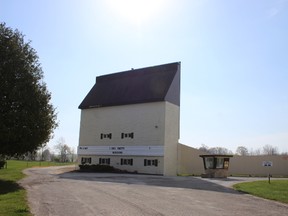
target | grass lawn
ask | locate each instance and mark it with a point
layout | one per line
(277, 190)
(12, 196)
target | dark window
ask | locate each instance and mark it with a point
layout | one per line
(150, 162)
(126, 161)
(104, 136)
(86, 160)
(127, 135)
(104, 161)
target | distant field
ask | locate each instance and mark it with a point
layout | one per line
(12, 196)
(277, 190)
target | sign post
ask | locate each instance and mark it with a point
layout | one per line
(268, 164)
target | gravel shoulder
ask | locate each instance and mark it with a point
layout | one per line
(61, 191)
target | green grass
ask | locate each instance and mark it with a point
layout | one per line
(277, 190)
(12, 196)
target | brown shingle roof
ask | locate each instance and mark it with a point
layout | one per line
(151, 84)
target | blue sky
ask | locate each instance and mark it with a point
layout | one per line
(233, 53)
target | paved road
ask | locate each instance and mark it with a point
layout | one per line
(54, 191)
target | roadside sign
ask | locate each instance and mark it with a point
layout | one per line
(267, 163)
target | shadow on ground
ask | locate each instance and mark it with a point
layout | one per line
(8, 187)
(188, 182)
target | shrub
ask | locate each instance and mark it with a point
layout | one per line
(2, 163)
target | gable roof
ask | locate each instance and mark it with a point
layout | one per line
(150, 84)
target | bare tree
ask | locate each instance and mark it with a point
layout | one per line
(242, 151)
(63, 150)
(46, 155)
(215, 150)
(270, 150)
(255, 152)
(73, 156)
(220, 151)
(204, 148)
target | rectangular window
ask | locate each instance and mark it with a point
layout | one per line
(209, 163)
(127, 135)
(150, 162)
(104, 161)
(106, 136)
(85, 160)
(127, 161)
(220, 163)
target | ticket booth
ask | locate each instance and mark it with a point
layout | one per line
(216, 166)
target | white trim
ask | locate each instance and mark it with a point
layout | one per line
(122, 150)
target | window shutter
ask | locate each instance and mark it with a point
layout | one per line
(145, 162)
(156, 162)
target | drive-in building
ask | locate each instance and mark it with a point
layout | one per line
(130, 120)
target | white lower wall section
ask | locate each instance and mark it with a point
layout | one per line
(140, 164)
(122, 150)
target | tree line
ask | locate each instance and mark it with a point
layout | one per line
(243, 151)
(61, 152)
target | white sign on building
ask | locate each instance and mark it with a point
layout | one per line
(267, 163)
(122, 150)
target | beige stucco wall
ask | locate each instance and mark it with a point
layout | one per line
(171, 138)
(252, 165)
(189, 162)
(146, 121)
(153, 124)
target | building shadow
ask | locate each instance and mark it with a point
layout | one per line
(187, 182)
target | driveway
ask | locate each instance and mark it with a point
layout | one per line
(58, 191)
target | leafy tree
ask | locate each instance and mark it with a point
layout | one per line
(27, 118)
(242, 150)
